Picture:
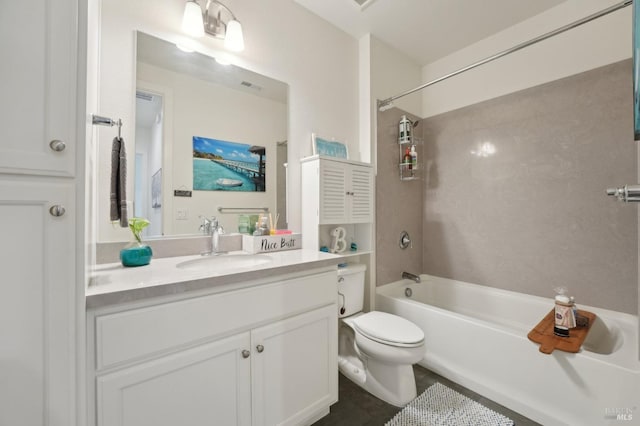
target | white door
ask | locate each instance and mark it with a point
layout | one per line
(206, 385)
(333, 192)
(361, 195)
(38, 79)
(37, 306)
(294, 366)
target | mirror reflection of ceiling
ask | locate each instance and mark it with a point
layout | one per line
(148, 109)
(157, 52)
(427, 30)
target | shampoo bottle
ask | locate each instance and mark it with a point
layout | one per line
(414, 156)
(407, 159)
(404, 130)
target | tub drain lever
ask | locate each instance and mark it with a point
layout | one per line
(627, 193)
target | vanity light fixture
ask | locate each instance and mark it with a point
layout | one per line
(217, 20)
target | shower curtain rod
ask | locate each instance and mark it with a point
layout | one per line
(385, 104)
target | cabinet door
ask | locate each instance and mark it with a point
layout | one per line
(333, 192)
(295, 368)
(361, 194)
(37, 82)
(206, 385)
(37, 307)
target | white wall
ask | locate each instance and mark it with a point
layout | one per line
(391, 73)
(384, 72)
(283, 41)
(600, 42)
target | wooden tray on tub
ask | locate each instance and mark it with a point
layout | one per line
(543, 334)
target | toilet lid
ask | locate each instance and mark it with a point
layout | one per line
(388, 328)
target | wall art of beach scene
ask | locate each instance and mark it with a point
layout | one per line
(227, 166)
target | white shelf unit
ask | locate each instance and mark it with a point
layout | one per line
(408, 170)
(337, 192)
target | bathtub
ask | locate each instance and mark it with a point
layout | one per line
(477, 336)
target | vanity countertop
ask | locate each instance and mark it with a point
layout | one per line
(112, 283)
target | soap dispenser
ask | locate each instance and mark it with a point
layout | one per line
(564, 315)
(414, 156)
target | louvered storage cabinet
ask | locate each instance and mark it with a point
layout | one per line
(336, 192)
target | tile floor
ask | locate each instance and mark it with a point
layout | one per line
(358, 408)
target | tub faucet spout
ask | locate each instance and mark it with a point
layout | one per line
(411, 276)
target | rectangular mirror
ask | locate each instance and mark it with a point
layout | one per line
(226, 123)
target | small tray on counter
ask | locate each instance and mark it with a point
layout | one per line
(271, 243)
(543, 334)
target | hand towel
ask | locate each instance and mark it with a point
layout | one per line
(119, 182)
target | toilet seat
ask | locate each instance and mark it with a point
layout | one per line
(389, 329)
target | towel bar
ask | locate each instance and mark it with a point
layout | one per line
(243, 209)
(98, 120)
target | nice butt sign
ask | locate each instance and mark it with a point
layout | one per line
(270, 243)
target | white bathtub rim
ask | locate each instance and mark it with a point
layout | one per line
(625, 360)
(425, 278)
(623, 317)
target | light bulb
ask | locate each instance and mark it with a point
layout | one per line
(233, 40)
(192, 22)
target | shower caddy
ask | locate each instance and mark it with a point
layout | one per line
(408, 169)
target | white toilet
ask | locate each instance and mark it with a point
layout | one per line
(376, 350)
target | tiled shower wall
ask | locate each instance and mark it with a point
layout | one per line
(398, 204)
(513, 192)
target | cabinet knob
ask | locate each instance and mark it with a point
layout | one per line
(246, 354)
(57, 210)
(57, 145)
(260, 348)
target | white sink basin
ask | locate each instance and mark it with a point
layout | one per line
(225, 262)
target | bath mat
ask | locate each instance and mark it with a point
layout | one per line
(439, 405)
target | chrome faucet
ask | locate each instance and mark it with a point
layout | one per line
(411, 276)
(212, 228)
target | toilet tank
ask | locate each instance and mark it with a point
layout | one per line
(351, 289)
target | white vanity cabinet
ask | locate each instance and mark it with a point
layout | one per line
(37, 322)
(209, 384)
(38, 102)
(261, 355)
(41, 210)
(293, 369)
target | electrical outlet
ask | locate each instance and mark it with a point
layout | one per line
(182, 214)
